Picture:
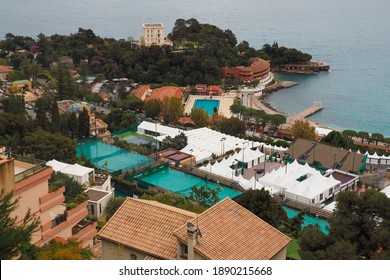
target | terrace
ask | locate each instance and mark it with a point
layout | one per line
(25, 167)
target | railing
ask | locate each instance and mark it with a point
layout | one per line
(39, 166)
(81, 225)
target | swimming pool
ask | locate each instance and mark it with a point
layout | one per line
(207, 105)
(117, 159)
(307, 220)
(181, 183)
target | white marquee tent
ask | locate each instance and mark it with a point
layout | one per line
(78, 172)
(301, 182)
(223, 167)
(377, 159)
(204, 142)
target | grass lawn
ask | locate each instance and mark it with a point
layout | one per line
(292, 250)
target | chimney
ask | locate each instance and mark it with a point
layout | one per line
(192, 231)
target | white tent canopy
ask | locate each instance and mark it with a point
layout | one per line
(313, 190)
(301, 182)
(204, 141)
(78, 172)
(224, 167)
(376, 159)
(156, 127)
(57, 165)
(386, 191)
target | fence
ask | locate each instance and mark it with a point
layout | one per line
(149, 171)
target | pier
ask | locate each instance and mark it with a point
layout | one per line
(317, 106)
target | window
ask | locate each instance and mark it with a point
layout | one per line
(321, 196)
(100, 208)
(330, 191)
(184, 250)
(133, 257)
(92, 209)
(312, 201)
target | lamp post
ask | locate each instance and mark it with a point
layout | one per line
(223, 145)
(192, 150)
(314, 152)
(254, 183)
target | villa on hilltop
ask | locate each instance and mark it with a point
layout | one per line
(149, 230)
(153, 35)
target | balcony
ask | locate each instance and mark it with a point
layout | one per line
(25, 167)
(80, 226)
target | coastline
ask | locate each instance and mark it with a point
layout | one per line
(269, 109)
(264, 105)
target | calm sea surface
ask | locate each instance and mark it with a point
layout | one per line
(353, 36)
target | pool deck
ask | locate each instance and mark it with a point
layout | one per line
(224, 104)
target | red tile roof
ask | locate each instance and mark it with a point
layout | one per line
(231, 232)
(5, 69)
(141, 91)
(215, 89)
(147, 226)
(168, 91)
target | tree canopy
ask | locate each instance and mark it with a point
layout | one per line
(204, 195)
(337, 139)
(303, 129)
(69, 250)
(261, 203)
(359, 229)
(47, 146)
(178, 142)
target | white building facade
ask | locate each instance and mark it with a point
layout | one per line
(153, 34)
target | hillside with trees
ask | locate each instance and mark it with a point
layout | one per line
(199, 51)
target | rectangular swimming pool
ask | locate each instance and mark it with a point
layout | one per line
(307, 220)
(207, 105)
(117, 159)
(182, 183)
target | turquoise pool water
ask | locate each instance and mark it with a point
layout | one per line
(307, 220)
(116, 158)
(182, 183)
(207, 105)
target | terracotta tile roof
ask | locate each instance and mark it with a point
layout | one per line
(215, 89)
(185, 121)
(5, 69)
(168, 91)
(141, 91)
(146, 226)
(151, 258)
(230, 232)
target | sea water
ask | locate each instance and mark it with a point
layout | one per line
(353, 36)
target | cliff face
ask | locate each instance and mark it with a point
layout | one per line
(303, 68)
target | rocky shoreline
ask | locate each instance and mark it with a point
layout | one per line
(278, 85)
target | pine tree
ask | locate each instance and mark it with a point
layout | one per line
(55, 118)
(84, 124)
